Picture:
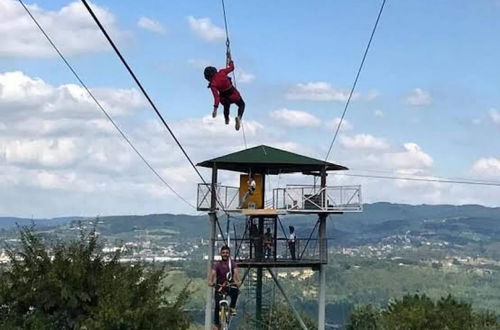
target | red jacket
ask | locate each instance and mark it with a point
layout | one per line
(220, 82)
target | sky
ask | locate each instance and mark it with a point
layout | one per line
(427, 103)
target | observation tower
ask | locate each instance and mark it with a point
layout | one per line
(261, 242)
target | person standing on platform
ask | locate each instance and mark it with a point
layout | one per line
(291, 241)
(268, 243)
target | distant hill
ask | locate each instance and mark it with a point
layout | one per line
(10, 222)
(379, 220)
(447, 222)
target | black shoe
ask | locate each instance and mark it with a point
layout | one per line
(237, 123)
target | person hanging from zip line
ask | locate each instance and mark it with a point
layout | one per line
(225, 276)
(224, 92)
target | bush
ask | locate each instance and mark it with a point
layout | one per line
(419, 312)
(75, 286)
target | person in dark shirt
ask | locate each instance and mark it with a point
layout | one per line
(268, 243)
(254, 241)
(225, 276)
(224, 92)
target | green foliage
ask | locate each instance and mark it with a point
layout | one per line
(279, 316)
(75, 286)
(419, 312)
(364, 318)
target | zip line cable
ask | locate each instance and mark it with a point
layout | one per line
(70, 67)
(146, 95)
(150, 101)
(356, 79)
(479, 183)
(414, 175)
(228, 55)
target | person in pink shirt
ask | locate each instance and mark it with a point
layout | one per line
(224, 92)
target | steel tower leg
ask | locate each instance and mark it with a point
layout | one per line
(211, 250)
(322, 296)
(258, 298)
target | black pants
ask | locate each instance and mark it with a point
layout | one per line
(291, 245)
(233, 294)
(227, 104)
(268, 250)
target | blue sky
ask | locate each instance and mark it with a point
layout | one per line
(427, 102)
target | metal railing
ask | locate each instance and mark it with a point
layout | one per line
(292, 198)
(227, 196)
(247, 249)
(309, 198)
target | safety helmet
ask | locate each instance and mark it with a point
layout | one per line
(209, 72)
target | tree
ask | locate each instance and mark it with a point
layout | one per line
(419, 312)
(279, 316)
(75, 286)
(364, 318)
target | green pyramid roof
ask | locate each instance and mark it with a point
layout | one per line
(269, 160)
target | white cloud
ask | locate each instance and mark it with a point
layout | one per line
(21, 94)
(151, 25)
(244, 77)
(46, 152)
(334, 123)
(199, 63)
(318, 91)
(295, 118)
(363, 141)
(52, 127)
(378, 113)
(419, 98)
(487, 167)
(71, 28)
(59, 155)
(205, 29)
(412, 157)
(495, 116)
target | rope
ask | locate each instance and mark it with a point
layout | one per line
(356, 79)
(228, 57)
(70, 67)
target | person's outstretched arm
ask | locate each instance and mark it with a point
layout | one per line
(215, 92)
(229, 68)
